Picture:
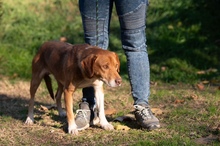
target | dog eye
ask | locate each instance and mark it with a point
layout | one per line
(105, 66)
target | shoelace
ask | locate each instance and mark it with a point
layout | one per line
(145, 112)
(82, 113)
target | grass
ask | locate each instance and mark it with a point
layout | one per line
(192, 121)
(183, 46)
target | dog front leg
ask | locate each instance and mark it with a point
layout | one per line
(72, 128)
(99, 94)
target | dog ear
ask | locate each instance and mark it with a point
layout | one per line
(87, 65)
(118, 61)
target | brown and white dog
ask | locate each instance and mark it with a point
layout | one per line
(74, 66)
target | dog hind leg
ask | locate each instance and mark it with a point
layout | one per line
(62, 113)
(35, 82)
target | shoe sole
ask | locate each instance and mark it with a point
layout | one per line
(83, 128)
(153, 127)
(149, 128)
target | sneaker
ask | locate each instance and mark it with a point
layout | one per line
(83, 116)
(145, 117)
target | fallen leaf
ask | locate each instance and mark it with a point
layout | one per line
(110, 111)
(193, 96)
(211, 70)
(200, 86)
(122, 127)
(179, 101)
(202, 72)
(205, 82)
(44, 108)
(157, 111)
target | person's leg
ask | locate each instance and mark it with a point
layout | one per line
(95, 18)
(132, 17)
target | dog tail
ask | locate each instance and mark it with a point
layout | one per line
(47, 80)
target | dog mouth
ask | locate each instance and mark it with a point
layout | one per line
(112, 82)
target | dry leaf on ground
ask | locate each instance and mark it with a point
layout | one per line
(110, 111)
(193, 96)
(157, 111)
(46, 108)
(205, 82)
(211, 70)
(122, 127)
(200, 86)
(179, 101)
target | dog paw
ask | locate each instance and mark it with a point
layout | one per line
(107, 126)
(29, 121)
(73, 131)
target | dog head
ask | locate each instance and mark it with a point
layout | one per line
(103, 65)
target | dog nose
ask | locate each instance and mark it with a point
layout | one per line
(118, 81)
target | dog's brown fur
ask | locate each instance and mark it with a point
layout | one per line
(74, 66)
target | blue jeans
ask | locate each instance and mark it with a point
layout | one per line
(96, 17)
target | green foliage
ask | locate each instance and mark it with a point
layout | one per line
(25, 25)
(181, 36)
(15, 62)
